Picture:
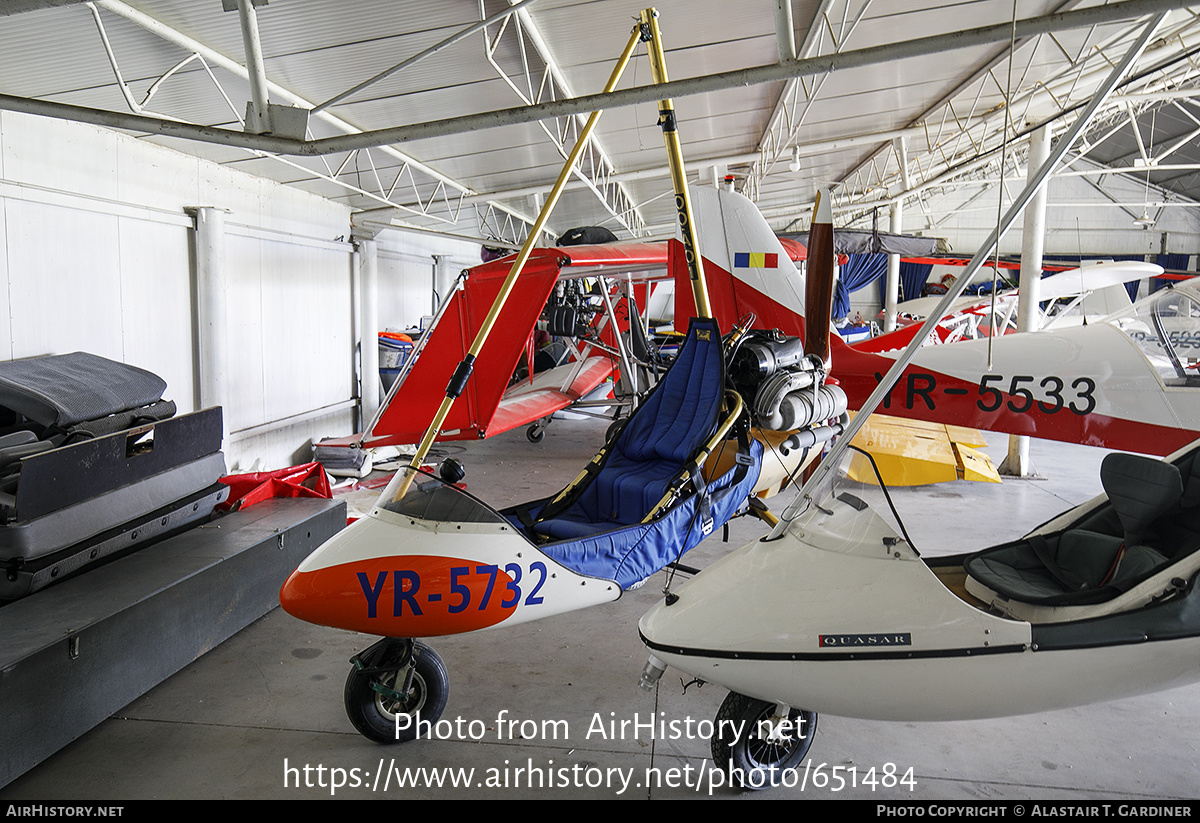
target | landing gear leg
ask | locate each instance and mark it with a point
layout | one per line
(758, 742)
(392, 685)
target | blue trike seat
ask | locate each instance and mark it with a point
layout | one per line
(603, 519)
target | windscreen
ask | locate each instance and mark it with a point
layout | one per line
(1166, 327)
(428, 498)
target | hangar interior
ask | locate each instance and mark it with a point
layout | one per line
(342, 162)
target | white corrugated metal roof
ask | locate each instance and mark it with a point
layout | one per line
(952, 103)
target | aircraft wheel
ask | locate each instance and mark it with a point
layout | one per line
(745, 751)
(375, 695)
(535, 434)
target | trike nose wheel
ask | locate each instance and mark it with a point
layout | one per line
(392, 685)
(755, 746)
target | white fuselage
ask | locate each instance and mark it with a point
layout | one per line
(838, 616)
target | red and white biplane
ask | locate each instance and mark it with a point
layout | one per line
(1131, 382)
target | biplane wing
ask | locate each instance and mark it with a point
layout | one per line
(550, 391)
(1073, 296)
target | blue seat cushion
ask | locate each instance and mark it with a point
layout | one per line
(653, 448)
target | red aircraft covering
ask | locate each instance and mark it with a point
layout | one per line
(488, 406)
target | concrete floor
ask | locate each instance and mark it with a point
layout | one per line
(246, 719)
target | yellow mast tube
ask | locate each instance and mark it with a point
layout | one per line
(683, 202)
(461, 374)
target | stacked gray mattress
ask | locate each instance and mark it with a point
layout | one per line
(93, 463)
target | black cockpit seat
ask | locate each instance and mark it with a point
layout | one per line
(1150, 522)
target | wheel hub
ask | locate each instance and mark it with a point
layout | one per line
(392, 702)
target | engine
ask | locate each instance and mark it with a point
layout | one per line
(784, 388)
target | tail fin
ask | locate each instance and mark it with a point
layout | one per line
(747, 269)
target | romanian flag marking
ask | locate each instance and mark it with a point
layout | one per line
(755, 260)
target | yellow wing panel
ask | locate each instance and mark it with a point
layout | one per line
(916, 452)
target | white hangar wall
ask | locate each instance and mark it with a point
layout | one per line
(96, 254)
(1078, 218)
(406, 274)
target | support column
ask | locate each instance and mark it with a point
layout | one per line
(443, 280)
(1033, 244)
(370, 388)
(892, 282)
(785, 30)
(212, 311)
(258, 116)
(891, 287)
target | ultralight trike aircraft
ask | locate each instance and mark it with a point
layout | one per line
(836, 611)
(432, 560)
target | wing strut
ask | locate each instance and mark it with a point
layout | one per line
(683, 202)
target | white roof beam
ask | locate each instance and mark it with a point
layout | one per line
(785, 30)
(421, 55)
(945, 103)
(952, 165)
(596, 169)
(258, 118)
(1113, 12)
(783, 124)
(171, 35)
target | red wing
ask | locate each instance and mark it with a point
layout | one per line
(413, 403)
(545, 395)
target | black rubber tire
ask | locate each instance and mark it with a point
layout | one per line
(374, 715)
(751, 761)
(535, 434)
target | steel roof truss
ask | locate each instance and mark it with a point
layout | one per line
(594, 168)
